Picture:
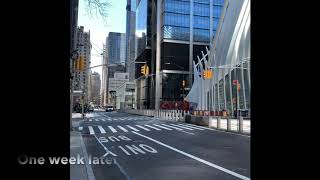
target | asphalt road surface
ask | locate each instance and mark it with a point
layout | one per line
(142, 148)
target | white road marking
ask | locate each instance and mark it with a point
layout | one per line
(80, 128)
(103, 120)
(112, 129)
(162, 127)
(203, 128)
(97, 119)
(123, 129)
(90, 120)
(153, 127)
(193, 127)
(132, 128)
(172, 127)
(91, 130)
(187, 132)
(195, 158)
(101, 129)
(181, 126)
(143, 128)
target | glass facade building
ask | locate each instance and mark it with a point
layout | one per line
(229, 89)
(116, 48)
(185, 29)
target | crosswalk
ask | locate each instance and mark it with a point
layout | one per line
(137, 127)
(106, 119)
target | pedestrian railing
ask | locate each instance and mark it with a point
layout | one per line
(173, 115)
(239, 125)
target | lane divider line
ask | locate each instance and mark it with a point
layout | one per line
(195, 158)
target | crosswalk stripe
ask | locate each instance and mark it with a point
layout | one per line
(91, 130)
(162, 127)
(132, 128)
(153, 127)
(123, 129)
(172, 127)
(143, 128)
(101, 129)
(112, 129)
(193, 126)
(181, 126)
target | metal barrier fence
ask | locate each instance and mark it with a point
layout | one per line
(222, 123)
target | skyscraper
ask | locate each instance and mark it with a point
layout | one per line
(84, 50)
(95, 88)
(104, 81)
(130, 38)
(116, 48)
(169, 36)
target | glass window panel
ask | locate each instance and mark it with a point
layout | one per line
(221, 94)
(239, 89)
(218, 2)
(177, 33)
(228, 95)
(247, 88)
(216, 96)
(216, 11)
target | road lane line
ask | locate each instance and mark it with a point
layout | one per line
(112, 129)
(91, 130)
(132, 128)
(123, 129)
(172, 127)
(143, 128)
(86, 158)
(217, 130)
(114, 160)
(181, 126)
(162, 127)
(153, 127)
(101, 129)
(187, 132)
(193, 127)
(195, 158)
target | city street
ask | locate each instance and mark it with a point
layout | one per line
(144, 148)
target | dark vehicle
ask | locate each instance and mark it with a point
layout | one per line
(90, 109)
(109, 108)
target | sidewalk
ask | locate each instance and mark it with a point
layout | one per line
(77, 148)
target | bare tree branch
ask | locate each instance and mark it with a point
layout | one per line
(98, 9)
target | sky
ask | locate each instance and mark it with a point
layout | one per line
(116, 22)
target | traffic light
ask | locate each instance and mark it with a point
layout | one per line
(81, 66)
(207, 74)
(77, 64)
(147, 70)
(143, 69)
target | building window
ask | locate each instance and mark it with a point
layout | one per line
(177, 33)
(201, 35)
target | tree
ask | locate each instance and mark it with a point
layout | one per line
(97, 8)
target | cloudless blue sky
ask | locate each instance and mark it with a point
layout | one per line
(116, 22)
